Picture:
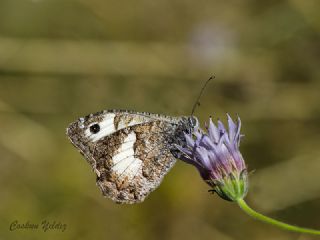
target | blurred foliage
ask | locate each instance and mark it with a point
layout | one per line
(62, 59)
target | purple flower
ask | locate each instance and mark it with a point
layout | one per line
(215, 153)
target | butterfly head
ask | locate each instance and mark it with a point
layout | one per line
(193, 122)
(189, 124)
(186, 126)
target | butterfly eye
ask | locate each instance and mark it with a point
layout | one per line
(193, 121)
(95, 128)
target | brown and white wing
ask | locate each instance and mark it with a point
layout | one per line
(135, 166)
(130, 153)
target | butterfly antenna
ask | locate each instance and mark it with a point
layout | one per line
(197, 103)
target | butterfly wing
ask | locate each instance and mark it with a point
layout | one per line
(130, 152)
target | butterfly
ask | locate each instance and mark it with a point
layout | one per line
(130, 152)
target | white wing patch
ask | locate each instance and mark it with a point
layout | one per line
(106, 128)
(125, 164)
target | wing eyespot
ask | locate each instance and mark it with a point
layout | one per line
(95, 128)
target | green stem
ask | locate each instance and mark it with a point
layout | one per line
(243, 205)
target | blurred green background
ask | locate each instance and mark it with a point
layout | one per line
(62, 59)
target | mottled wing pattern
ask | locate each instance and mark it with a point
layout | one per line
(130, 152)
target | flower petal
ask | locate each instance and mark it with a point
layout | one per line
(213, 131)
(232, 128)
(238, 135)
(189, 140)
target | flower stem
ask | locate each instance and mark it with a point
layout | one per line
(243, 205)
